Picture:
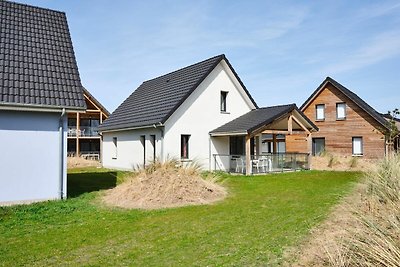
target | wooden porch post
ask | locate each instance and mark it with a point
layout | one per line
(274, 143)
(248, 157)
(309, 149)
(290, 124)
(257, 140)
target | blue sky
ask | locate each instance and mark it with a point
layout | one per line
(282, 50)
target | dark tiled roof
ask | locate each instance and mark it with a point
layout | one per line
(37, 61)
(352, 96)
(157, 99)
(257, 118)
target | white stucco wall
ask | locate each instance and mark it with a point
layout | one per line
(130, 148)
(200, 114)
(30, 156)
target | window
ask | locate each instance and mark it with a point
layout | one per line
(320, 112)
(236, 145)
(115, 148)
(143, 142)
(357, 146)
(153, 144)
(318, 146)
(185, 146)
(223, 101)
(341, 111)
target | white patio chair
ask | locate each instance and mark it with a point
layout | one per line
(240, 165)
(262, 164)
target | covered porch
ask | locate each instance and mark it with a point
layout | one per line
(244, 139)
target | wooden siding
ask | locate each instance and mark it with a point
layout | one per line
(338, 133)
(296, 143)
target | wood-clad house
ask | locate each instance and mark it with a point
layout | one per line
(348, 126)
(83, 135)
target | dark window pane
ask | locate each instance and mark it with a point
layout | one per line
(236, 145)
(185, 146)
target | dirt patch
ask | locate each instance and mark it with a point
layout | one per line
(164, 188)
(78, 162)
(341, 163)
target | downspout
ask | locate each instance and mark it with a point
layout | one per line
(209, 153)
(61, 141)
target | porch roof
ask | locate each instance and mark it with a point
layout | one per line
(267, 117)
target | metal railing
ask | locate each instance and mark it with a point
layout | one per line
(93, 155)
(83, 131)
(265, 163)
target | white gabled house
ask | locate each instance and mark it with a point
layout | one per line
(179, 114)
(39, 84)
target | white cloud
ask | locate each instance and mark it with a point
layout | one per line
(378, 10)
(384, 46)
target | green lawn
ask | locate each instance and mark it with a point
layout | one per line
(262, 216)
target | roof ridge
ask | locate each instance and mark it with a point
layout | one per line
(276, 106)
(35, 7)
(222, 56)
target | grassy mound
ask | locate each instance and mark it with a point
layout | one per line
(165, 185)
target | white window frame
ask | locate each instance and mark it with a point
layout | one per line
(115, 147)
(360, 150)
(317, 114)
(342, 104)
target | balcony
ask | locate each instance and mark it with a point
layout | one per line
(83, 131)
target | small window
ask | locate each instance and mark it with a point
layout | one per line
(185, 146)
(341, 111)
(320, 112)
(115, 148)
(357, 146)
(223, 100)
(318, 146)
(153, 144)
(236, 145)
(143, 142)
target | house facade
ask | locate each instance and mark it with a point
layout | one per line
(172, 115)
(348, 126)
(84, 139)
(39, 85)
(179, 115)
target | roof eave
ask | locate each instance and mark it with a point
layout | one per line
(127, 128)
(39, 108)
(232, 133)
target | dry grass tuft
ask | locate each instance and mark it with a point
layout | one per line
(165, 185)
(78, 162)
(377, 242)
(365, 229)
(333, 162)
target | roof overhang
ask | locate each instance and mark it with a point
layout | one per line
(227, 134)
(38, 108)
(122, 128)
(288, 120)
